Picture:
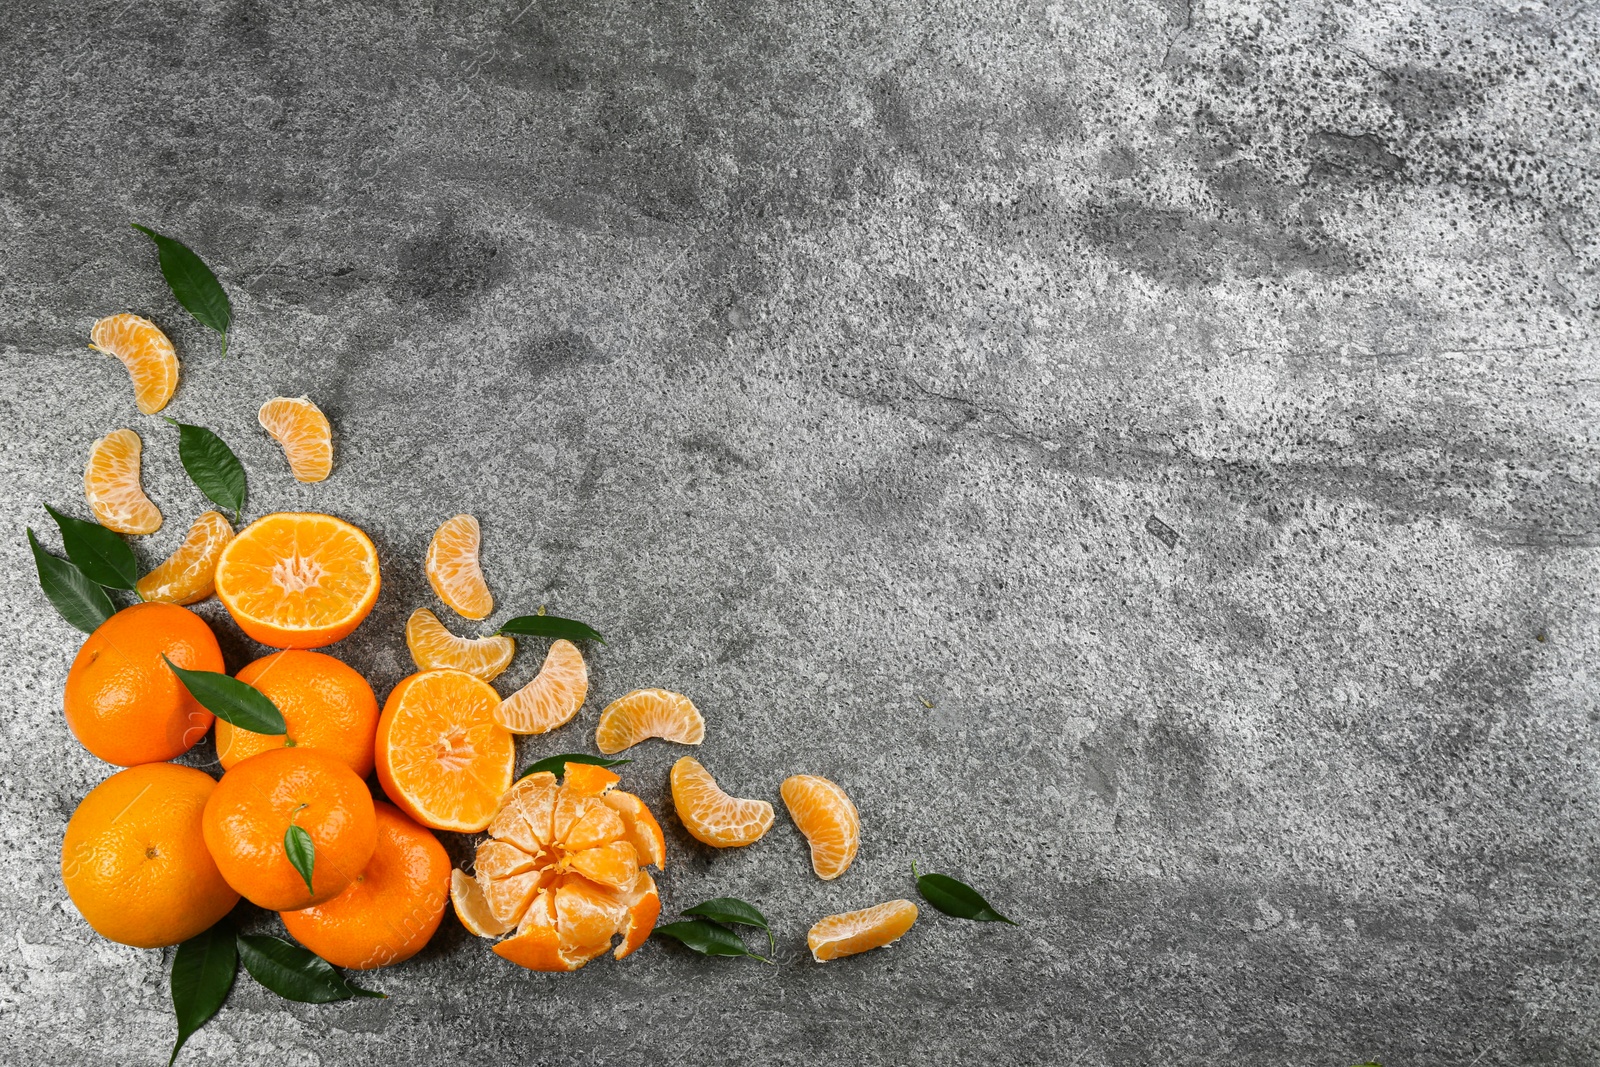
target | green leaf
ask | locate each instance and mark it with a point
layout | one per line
(295, 973)
(102, 556)
(192, 282)
(557, 765)
(81, 602)
(298, 846)
(707, 938)
(734, 910)
(202, 974)
(956, 898)
(231, 700)
(550, 626)
(212, 466)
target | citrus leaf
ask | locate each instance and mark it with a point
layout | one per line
(192, 282)
(734, 910)
(81, 602)
(295, 973)
(231, 700)
(550, 626)
(202, 973)
(956, 898)
(557, 765)
(302, 852)
(707, 938)
(102, 556)
(212, 466)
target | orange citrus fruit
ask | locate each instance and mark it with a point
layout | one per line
(151, 360)
(391, 909)
(552, 698)
(257, 801)
(111, 485)
(561, 869)
(302, 429)
(298, 579)
(188, 576)
(842, 935)
(828, 819)
(441, 756)
(122, 702)
(433, 647)
(645, 713)
(453, 569)
(135, 862)
(712, 816)
(326, 704)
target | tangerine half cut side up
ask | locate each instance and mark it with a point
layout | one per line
(441, 756)
(298, 579)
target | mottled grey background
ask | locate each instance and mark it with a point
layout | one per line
(1145, 452)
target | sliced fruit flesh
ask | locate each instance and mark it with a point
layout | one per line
(646, 713)
(441, 755)
(434, 647)
(471, 908)
(846, 934)
(299, 573)
(553, 697)
(111, 485)
(453, 569)
(561, 865)
(303, 430)
(145, 351)
(188, 576)
(828, 820)
(711, 815)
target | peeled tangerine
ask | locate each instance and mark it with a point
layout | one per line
(857, 931)
(561, 871)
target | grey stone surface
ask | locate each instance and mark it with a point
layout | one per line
(1145, 452)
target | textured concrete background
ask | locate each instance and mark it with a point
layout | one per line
(1146, 453)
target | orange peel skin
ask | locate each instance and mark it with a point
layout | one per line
(562, 872)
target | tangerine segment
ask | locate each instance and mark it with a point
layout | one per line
(111, 484)
(553, 697)
(842, 935)
(434, 647)
(302, 429)
(639, 827)
(326, 704)
(148, 354)
(391, 909)
(646, 713)
(189, 575)
(252, 808)
(466, 897)
(829, 820)
(711, 815)
(590, 780)
(134, 861)
(298, 579)
(453, 569)
(441, 755)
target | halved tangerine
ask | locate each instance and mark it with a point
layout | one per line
(434, 647)
(646, 713)
(298, 579)
(111, 484)
(441, 756)
(827, 818)
(453, 569)
(711, 815)
(553, 697)
(189, 575)
(851, 932)
(148, 354)
(302, 429)
(562, 869)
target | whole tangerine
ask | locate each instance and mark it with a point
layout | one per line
(325, 703)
